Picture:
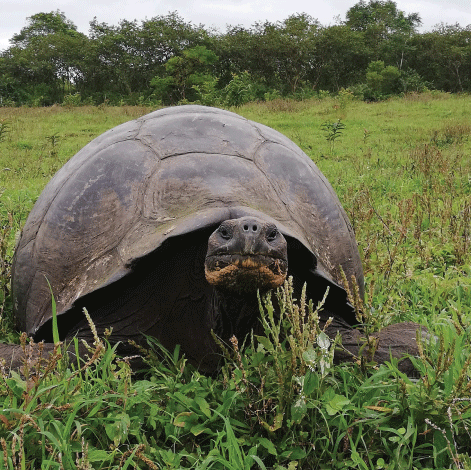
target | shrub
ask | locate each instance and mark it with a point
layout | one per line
(242, 89)
(72, 100)
(382, 81)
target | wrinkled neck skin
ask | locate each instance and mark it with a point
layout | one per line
(234, 314)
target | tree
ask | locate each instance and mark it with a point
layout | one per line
(443, 57)
(183, 74)
(387, 30)
(382, 81)
(280, 55)
(383, 16)
(235, 52)
(125, 58)
(290, 46)
(343, 58)
(42, 25)
(43, 59)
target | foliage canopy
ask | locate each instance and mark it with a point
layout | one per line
(166, 59)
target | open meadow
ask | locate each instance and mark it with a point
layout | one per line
(402, 170)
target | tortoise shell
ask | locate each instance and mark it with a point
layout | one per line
(122, 228)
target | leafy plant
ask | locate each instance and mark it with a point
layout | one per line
(382, 81)
(332, 131)
(72, 100)
(242, 89)
(5, 263)
(4, 129)
(185, 74)
(407, 196)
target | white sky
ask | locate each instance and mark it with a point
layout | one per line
(218, 13)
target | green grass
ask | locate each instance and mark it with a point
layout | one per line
(402, 170)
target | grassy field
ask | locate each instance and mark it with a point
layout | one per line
(402, 170)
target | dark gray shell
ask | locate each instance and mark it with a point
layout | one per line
(172, 172)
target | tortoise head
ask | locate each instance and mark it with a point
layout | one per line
(245, 255)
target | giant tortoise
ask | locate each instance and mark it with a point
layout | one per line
(169, 225)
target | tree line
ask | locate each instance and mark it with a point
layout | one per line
(374, 53)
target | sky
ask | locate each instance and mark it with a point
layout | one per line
(217, 13)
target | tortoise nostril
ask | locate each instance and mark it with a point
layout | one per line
(247, 227)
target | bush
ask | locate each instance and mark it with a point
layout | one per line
(411, 81)
(72, 100)
(242, 89)
(382, 81)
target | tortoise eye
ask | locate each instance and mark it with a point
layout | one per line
(224, 232)
(272, 234)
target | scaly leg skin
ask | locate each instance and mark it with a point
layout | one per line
(397, 341)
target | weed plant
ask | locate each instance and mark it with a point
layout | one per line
(4, 129)
(402, 171)
(278, 403)
(332, 131)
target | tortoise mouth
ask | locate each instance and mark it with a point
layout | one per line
(245, 273)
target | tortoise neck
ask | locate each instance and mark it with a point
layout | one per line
(234, 314)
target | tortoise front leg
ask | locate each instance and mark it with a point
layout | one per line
(397, 341)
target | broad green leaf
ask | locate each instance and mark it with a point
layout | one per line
(97, 455)
(277, 422)
(298, 409)
(268, 445)
(323, 341)
(199, 429)
(310, 357)
(336, 404)
(311, 382)
(117, 430)
(267, 344)
(182, 418)
(203, 405)
(16, 384)
(295, 453)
